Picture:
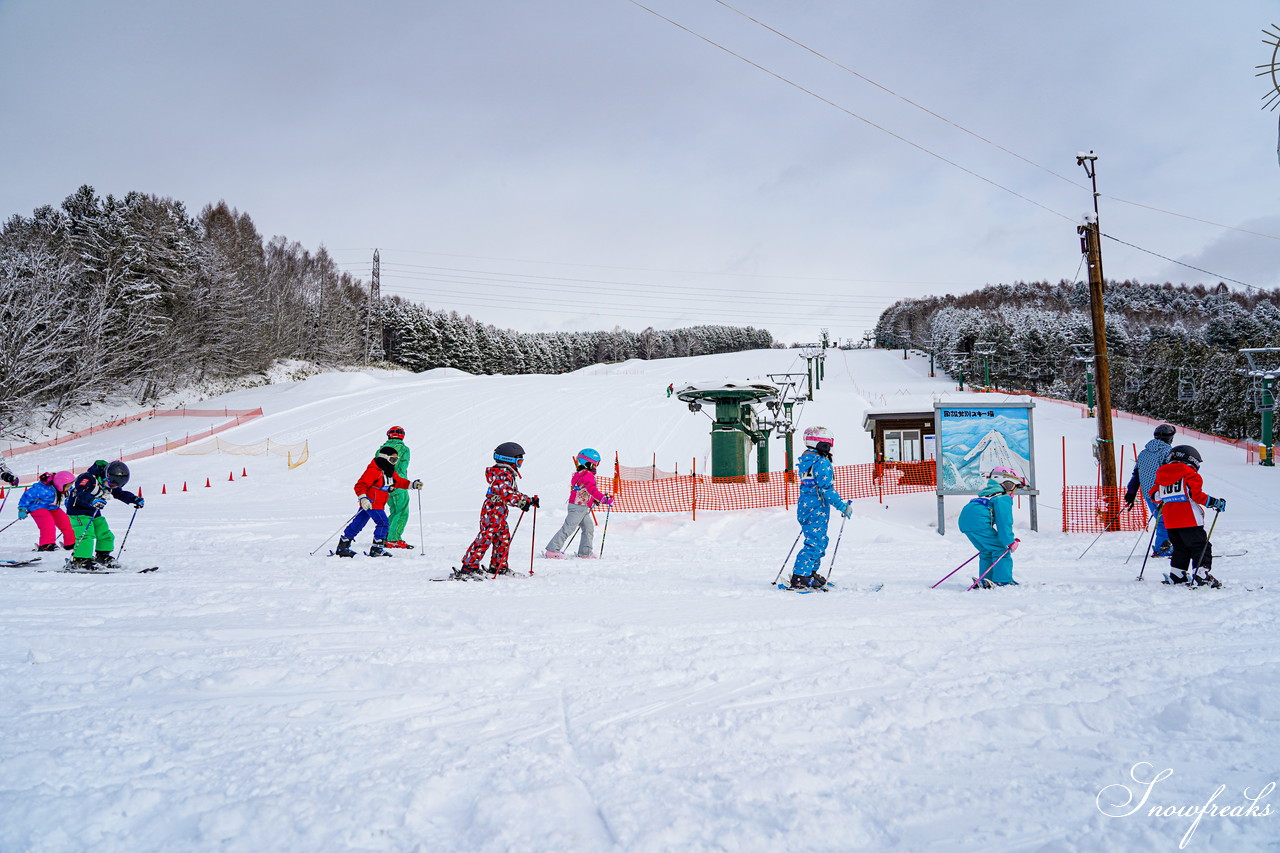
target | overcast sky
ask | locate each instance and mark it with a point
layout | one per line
(580, 164)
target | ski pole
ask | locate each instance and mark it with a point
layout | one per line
(1139, 539)
(787, 559)
(1209, 536)
(126, 531)
(1091, 544)
(533, 537)
(957, 568)
(422, 541)
(7, 526)
(334, 533)
(831, 567)
(605, 533)
(983, 576)
(1145, 556)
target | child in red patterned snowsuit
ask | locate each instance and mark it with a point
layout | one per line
(507, 458)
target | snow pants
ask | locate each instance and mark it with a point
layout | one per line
(362, 518)
(1162, 535)
(814, 517)
(990, 549)
(579, 518)
(49, 522)
(1188, 544)
(397, 514)
(93, 534)
(493, 531)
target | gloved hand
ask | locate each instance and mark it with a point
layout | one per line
(847, 512)
(9, 478)
(138, 502)
(99, 503)
(1220, 504)
(366, 504)
(1014, 546)
(534, 501)
(22, 513)
(1128, 501)
(416, 484)
(608, 500)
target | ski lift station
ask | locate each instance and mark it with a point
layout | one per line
(738, 422)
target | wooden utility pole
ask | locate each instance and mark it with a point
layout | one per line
(1091, 246)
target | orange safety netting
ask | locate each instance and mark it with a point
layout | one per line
(690, 492)
(1086, 509)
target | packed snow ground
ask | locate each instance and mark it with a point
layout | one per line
(249, 697)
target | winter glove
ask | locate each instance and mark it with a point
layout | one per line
(1220, 504)
(22, 513)
(416, 484)
(608, 500)
(99, 503)
(366, 504)
(138, 502)
(534, 501)
(9, 478)
(847, 512)
(1013, 547)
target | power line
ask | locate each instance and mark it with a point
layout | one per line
(1181, 264)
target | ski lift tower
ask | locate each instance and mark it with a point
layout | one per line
(1264, 368)
(737, 423)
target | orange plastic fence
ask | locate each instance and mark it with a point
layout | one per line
(1085, 509)
(690, 493)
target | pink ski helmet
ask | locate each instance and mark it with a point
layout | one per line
(816, 435)
(62, 479)
(1006, 476)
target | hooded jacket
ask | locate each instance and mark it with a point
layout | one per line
(1179, 492)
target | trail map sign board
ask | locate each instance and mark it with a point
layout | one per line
(972, 439)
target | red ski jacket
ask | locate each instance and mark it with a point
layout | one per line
(1179, 492)
(377, 486)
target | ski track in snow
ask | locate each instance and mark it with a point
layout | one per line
(249, 697)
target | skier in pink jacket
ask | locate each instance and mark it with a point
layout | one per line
(583, 495)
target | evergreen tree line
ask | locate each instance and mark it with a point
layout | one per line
(421, 338)
(1173, 350)
(105, 297)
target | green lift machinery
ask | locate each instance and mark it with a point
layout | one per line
(745, 414)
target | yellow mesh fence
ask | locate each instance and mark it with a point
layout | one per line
(295, 454)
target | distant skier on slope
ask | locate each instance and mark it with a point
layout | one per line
(6, 474)
(42, 501)
(88, 497)
(372, 489)
(398, 503)
(507, 459)
(1179, 490)
(1151, 457)
(988, 522)
(813, 508)
(583, 495)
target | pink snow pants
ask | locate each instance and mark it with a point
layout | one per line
(49, 522)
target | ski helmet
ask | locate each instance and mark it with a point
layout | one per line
(1165, 432)
(396, 432)
(815, 437)
(589, 457)
(46, 477)
(1006, 476)
(117, 474)
(62, 479)
(510, 453)
(1187, 455)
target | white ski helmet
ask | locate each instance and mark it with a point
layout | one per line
(1008, 477)
(816, 435)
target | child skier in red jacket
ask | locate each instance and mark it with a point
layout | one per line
(507, 459)
(1179, 492)
(373, 488)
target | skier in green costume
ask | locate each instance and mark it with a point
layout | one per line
(398, 504)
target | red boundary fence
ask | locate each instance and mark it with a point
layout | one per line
(693, 492)
(237, 416)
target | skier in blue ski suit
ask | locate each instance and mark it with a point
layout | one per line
(813, 508)
(988, 522)
(1155, 454)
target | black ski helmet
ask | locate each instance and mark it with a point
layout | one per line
(1187, 455)
(509, 452)
(117, 474)
(1165, 432)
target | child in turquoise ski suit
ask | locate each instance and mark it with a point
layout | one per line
(813, 508)
(988, 522)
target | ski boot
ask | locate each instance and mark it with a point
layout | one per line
(467, 573)
(378, 549)
(344, 548)
(397, 543)
(50, 547)
(502, 571)
(1165, 550)
(1177, 577)
(105, 560)
(1203, 578)
(82, 564)
(801, 581)
(67, 547)
(553, 555)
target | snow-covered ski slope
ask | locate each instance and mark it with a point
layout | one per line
(248, 697)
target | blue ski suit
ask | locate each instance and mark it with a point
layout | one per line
(988, 522)
(813, 509)
(1151, 457)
